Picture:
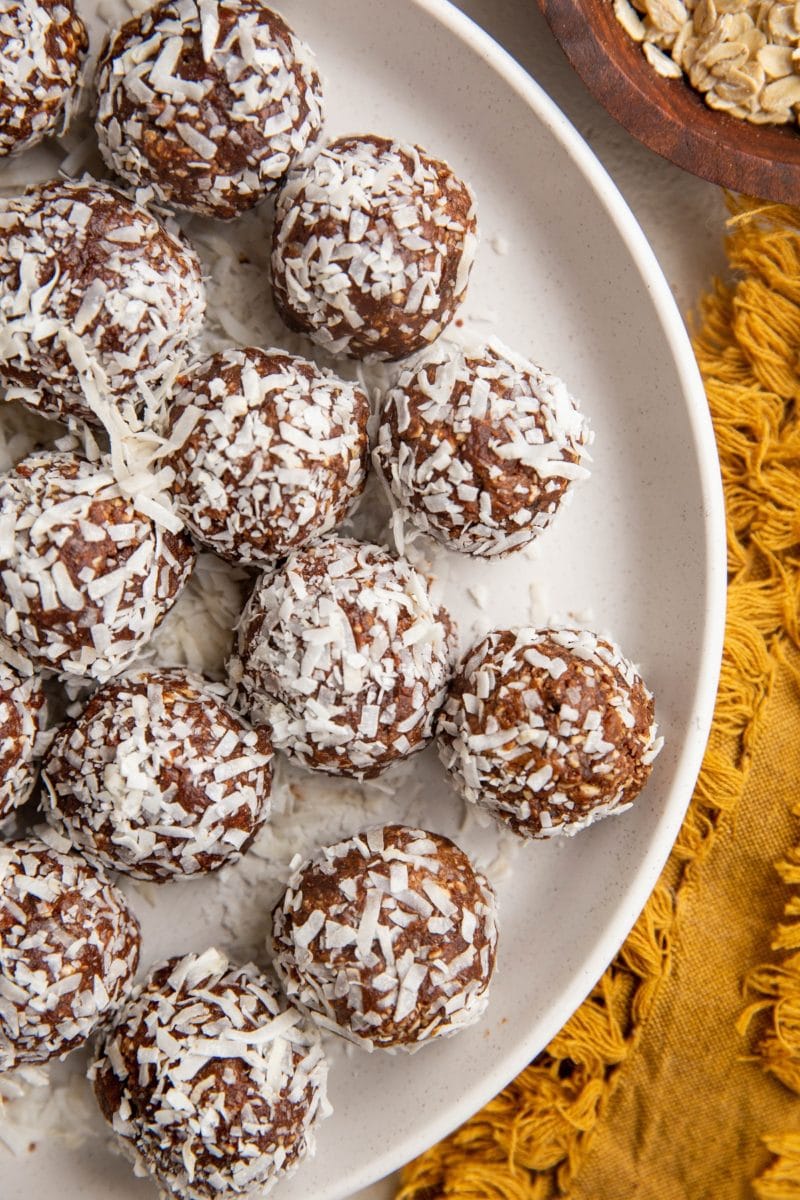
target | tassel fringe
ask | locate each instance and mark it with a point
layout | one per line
(529, 1142)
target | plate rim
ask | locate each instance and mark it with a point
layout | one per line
(470, 1100)
(509, 72)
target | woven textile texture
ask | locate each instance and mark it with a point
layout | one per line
(678, 1077)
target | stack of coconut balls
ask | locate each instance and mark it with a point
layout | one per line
(212, 1074)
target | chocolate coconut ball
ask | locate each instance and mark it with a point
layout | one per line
(373, 246)
(212, 1084)
(388, 938)
(158, 777)
(22, 715)
(99, 302)
(343, 653)
(271, 452)
(480, 447)
(548, 729)
(85, 579)
(42, 46)
(207, 103)
(69, 947)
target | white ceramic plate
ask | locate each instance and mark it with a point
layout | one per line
(565, 274)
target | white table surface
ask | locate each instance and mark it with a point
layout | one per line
(682, 216)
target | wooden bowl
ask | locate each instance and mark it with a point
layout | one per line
(668, 115)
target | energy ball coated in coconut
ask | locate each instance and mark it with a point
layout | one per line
(548, 730)
(207, 103)
(388, 938)
(42, 46)
(69, 947)
(480, 447)
(344, 654)
(212, 1084)
(22, 716)
(158, 777)
(85, 579)
(271, 451)
(99, 303)
(373, 246)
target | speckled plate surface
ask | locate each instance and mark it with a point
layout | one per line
(565, 275)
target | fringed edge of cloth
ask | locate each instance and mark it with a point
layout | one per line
(528, 1143)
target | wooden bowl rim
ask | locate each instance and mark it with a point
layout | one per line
(668, 115)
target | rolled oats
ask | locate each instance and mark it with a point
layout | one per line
(661, 62)
(743, 55)
(630, 20)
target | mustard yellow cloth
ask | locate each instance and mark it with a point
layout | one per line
(678, 1077)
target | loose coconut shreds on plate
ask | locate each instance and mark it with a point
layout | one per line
(198, 631)
(241, 309)
(22, 431)
(307, 808)
(310, 810)
(480, 447)
(158, 777)
(42, 48)
(204, 1065)
(208, 103)
(47, 1105)
(387, 938)
(131, 444)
